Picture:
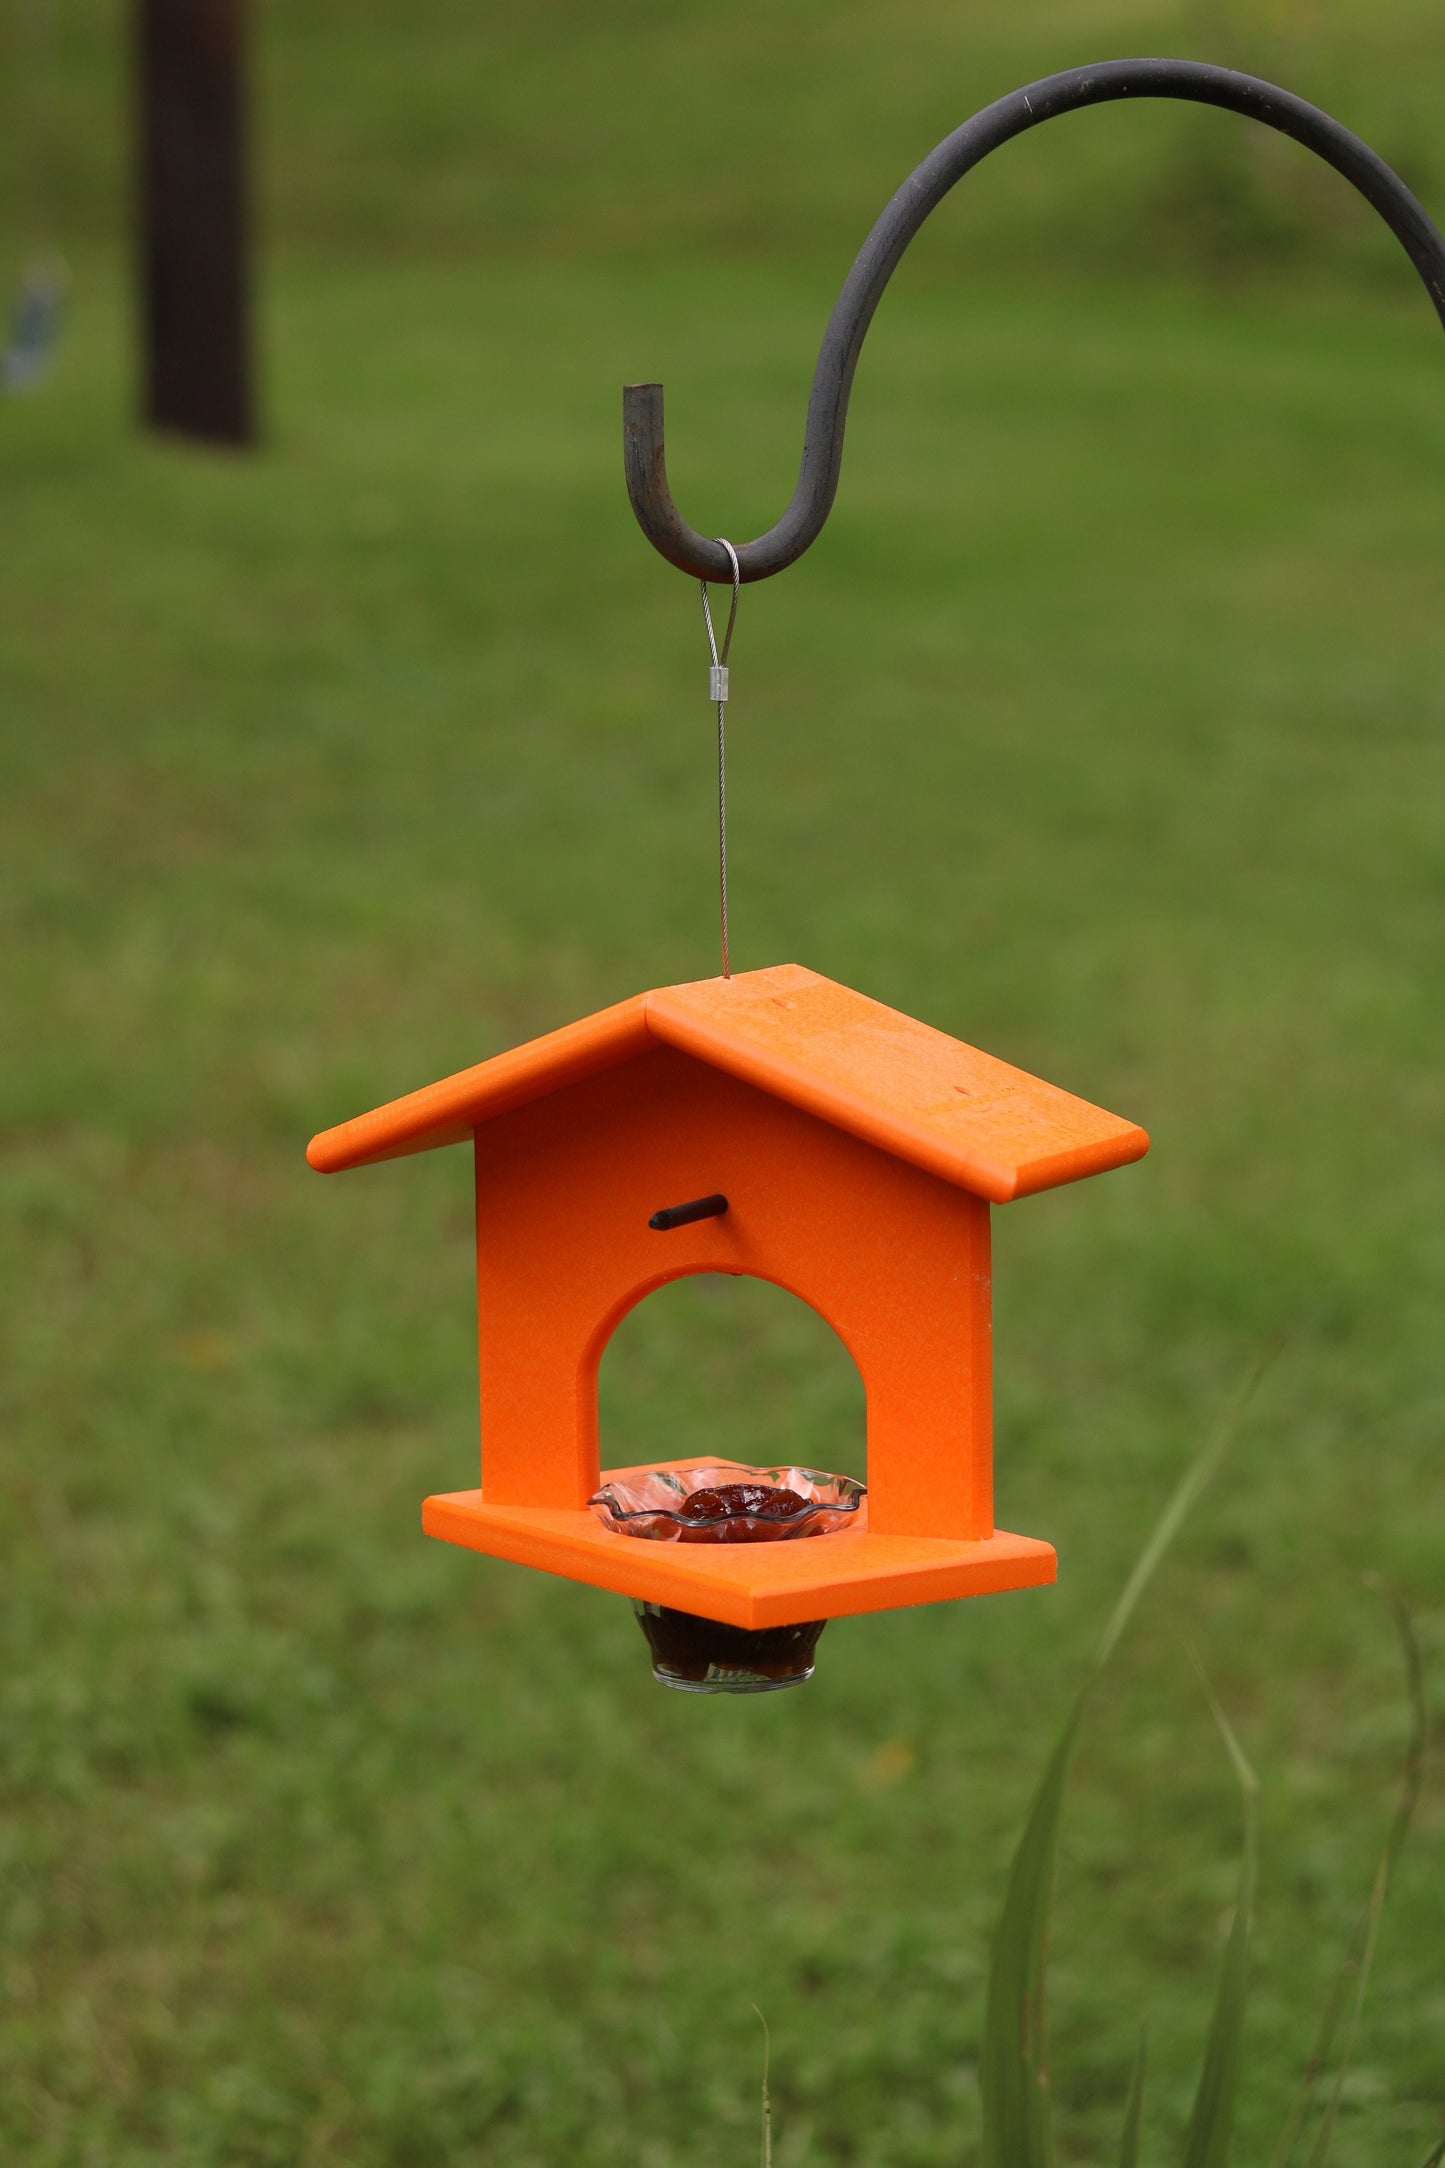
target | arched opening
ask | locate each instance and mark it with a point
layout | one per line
(721, 1363)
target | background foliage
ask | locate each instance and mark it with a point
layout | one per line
(1104, 728)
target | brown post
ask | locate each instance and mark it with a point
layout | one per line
(195, 314)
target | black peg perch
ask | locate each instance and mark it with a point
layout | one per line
(683, 1215)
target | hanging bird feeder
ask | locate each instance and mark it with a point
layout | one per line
(778, 1125)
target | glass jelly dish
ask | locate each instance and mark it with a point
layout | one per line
(727, 1502)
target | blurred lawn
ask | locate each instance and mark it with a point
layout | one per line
(1106, 728)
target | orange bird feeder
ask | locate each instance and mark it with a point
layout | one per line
(779, 1125)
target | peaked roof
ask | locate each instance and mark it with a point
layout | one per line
(946, 1107)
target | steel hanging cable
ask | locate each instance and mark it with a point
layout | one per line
(718, 691)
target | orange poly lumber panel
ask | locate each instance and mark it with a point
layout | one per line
(943, 1106)
(447, 1113)
(958, 1113)
(896, 1262)
(744, 1584)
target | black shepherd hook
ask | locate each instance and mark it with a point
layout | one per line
(802, 522)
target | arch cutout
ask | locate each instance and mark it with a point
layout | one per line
(734, 1366)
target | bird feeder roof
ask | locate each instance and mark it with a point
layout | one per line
(944, 1106)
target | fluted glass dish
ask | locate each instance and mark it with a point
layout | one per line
(664, 1505)
(727, 1501)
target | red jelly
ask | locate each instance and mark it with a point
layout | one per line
(739, 1513)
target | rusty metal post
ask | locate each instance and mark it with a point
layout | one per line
(196, 376)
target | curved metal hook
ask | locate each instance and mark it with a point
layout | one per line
(958, 153)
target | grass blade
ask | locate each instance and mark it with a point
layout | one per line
(1185, 1497)
(1437, 2156)
(1013, 2061)
(1134, 2109)
(1211, 2123)
(1013, 2065)
(1361, 1951)
(1319, 2061)
(767, 2103)
(1410, 1783)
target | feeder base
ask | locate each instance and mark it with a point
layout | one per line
(752, 1585)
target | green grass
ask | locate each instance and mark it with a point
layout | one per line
(1105, 727)
(1014, 2073)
